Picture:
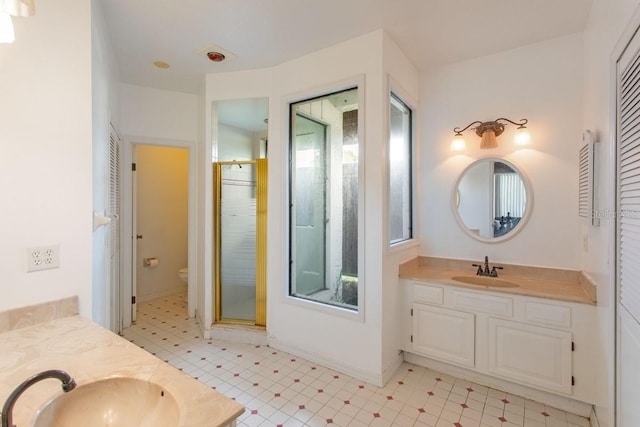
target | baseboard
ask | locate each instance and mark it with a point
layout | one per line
(391, 369)
(564, 403)
(160, 294)
(239, 334)
(345, 368)
(205, 332)
(593, 418)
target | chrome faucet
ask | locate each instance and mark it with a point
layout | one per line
(68, 384)
(485, 271)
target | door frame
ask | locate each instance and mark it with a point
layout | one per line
(127, 239)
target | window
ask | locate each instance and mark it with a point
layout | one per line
(323, 216)
(400, 171)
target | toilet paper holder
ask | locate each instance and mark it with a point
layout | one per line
(150, 262)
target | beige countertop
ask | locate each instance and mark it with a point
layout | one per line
(562, 285)
(88, 353)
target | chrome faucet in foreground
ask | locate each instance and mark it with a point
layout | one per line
(483, 271)
(68, 384)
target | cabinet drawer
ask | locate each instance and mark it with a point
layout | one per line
(548, 314)
(428, 293)
(484, 303)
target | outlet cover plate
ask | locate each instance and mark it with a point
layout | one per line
(43, 258)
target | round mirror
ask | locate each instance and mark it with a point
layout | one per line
(492, 200)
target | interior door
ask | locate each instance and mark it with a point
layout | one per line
(113, 213)
(240, 223)
(628, 233)
(236, 235)
(309, 204)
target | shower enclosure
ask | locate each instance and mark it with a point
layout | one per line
(240, 238)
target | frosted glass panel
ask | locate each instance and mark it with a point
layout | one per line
(238, 242)
(400, 171)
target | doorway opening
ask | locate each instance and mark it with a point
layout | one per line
(161, 221)
(158, 236)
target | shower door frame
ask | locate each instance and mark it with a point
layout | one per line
(261, 241)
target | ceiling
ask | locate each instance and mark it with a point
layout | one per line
(263, 33)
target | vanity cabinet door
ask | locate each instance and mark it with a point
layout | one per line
(531, 355)
(444, 334)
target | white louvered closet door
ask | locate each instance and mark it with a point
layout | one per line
(628, 234)
(114, 228)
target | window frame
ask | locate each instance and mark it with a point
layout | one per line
(396, 91)
(358, 312)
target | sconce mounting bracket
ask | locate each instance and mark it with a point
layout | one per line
(496, 127)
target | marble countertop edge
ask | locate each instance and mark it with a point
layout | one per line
(539, 282)
(90, 353)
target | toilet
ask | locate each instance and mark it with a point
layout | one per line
(183, 274)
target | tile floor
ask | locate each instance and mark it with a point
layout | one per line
(280, 389)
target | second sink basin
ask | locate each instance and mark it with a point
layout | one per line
(492, 282)
(122, 402)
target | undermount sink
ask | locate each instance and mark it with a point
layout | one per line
(122, 402)
(492, 282)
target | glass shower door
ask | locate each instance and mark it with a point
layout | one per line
(240, 260)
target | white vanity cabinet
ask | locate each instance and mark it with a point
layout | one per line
(532, 355)
(444, 334)
(505, 340)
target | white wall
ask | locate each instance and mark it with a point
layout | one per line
(541, 82)
(45, 167)
(165, 118)
(348, 344)
(607, 21)
(235, 143)
(156, 113)
(221, 86)
(162, 193)
(364, 347)
(403, 79)
(104, 75)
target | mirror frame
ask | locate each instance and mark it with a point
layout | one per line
(525, 217)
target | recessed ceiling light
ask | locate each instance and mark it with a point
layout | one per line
(215, 53)
(161, 64)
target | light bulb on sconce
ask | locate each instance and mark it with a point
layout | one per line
(7, 34)
(489, 131)
(522, 137)
(458, 143)
(9, 8)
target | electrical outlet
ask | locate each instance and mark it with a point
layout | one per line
(43, 258)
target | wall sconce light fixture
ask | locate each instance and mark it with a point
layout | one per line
(488, 131)
(9, 8)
